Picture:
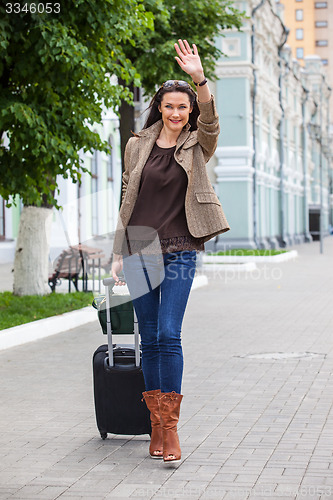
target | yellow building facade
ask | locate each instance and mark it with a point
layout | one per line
(310, 25)
(299, 17)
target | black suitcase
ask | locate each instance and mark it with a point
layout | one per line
(118, 379)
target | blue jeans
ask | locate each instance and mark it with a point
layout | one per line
(160, 314)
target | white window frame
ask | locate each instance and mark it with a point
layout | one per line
(299, 34)
(110, 172)
(297, 53)
(321, 43)
(2, 219)
(94, 190)
(299, 14)
(321, 24)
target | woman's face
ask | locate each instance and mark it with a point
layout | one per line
(175, 108)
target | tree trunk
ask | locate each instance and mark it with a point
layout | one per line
(31, 263)
(126, 127)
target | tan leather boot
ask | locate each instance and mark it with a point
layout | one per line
(169, 411)
(152, 399)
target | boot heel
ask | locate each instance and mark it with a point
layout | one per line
(167, 462)
(169, 411)
(152, 399)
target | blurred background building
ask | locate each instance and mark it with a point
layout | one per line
(273, 172)
(311, 32)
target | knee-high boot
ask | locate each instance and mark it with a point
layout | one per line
(152, 399)
(169, 411)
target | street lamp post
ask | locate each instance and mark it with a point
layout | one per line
(315, 132)
(327, 152)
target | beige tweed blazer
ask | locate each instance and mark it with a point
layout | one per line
(204, 213)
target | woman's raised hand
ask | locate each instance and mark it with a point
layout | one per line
(189, 60)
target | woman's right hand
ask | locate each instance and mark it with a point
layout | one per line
(116, 268)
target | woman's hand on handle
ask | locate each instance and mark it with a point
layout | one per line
(116, 268)
(190, 62)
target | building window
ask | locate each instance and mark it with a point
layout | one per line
(299, 14)
(94, 197)
(325, 62)
(110, 167)
(300, 53)
(299, 34)
(110, 163)
(321, 5)
(321, 43)
(2, 219)
(321, 24)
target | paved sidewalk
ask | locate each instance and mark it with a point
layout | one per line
(256, 419)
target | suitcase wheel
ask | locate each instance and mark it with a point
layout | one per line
(104, 435)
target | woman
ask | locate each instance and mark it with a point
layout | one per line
(166, 187)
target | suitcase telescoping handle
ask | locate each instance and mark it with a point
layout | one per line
(109, 282)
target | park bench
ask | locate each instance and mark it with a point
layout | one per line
(74, 263)
(67, 266)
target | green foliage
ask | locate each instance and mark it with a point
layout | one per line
(54, 81)
(16, 310)
(198, 21)
(55, 77)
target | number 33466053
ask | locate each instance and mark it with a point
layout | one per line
(33, 8)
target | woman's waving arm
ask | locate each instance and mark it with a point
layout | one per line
(190, 63)
(208, 120)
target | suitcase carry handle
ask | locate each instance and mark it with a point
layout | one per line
(110, 282)
(121, 368)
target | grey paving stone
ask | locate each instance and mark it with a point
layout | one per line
(248, 428)
(236, 495)
(28, 492)
(213, 492)
(273, 497)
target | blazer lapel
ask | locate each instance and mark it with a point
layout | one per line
(148, 138)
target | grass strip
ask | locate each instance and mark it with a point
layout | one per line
(16, 310)
(245, 252)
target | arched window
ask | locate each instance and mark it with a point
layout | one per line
(110, 164)
(110, 186)
(94, 197)
(2, 219)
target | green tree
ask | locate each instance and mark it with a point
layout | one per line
(55, 73)
(198, 21)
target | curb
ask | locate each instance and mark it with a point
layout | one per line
(42, 328)
(220, 266)
(46, 327)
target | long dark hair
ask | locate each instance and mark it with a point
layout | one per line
(154, 113)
